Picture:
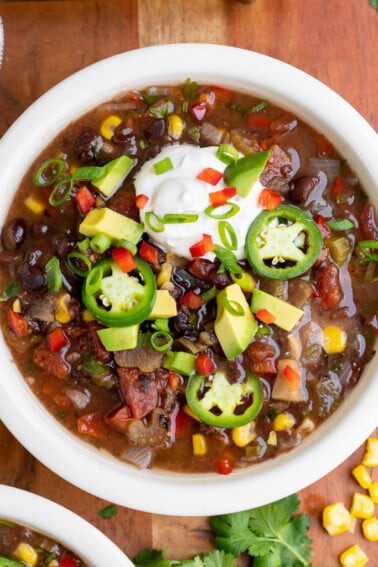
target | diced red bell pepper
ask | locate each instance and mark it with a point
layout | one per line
(269, 199)
(291, 375)
(222, 94)
(124, 259)
(225, 465)
(324, 229)
(180, 422)
(57, 339)
(18, 323)
(204, 364)
(67, 561)
(259, 120)
(325, 147)
(219, 198)
(141, 201)
(85, 199)
(198, 111)
(149, 252)
(210, 175)
(265, 316)
(202, 247)
(192, 300)
(91, 424)
(338, 187)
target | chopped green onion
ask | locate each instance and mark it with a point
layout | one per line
(84, 244)
(108, 512)
(244, 280)
(100, 243)
(231, 210)
(142, 144)
(161, 325)
(227, 235)
(179, 218)
(53, 274)
(61, 192)
(263, 330)
(94, 279)
(364, 246)
(92, 366)
(185, 106)
(10, 291)
(162, 110)
(232, 307)
(209, 294)
(228, 259)
(370, 272)
(49, 172)
(163, 166)
(261, 106)
(7, 523)
(227, 153)
(127, 244)
(72, 257)
(161, 341)
(190, 88)
(153, 222)
(338, 225)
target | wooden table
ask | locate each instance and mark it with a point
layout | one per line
(334, 40)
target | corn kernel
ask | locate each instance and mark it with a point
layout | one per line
(362, 506)
(87, 316)
(334, 339)
(62, 314)
(337, 519)
(175, 126)
(53, 563)
(199, 444)
(109, 125)
(164, 276)
(370, 529)
(282, 422)
(244, 435)
(272, 438)
(35, 204)
(373, 492)
(361, 474)
(370, 458)
(27, 553)
(353, 557)
(16, 306)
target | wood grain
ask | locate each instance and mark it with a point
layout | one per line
(335, 41)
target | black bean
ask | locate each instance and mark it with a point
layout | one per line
(14, 234)
(32, 278)
(302, 187)
(87, 145)
(39, 230)
(157, 128)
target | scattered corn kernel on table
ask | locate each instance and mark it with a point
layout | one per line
(48, 40)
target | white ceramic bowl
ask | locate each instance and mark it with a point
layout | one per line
(96, 472)
(61, 525)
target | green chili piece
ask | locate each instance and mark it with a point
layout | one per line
(365, 246)
(231, 210)
(163, 166)
(72, 257)
(338, 225)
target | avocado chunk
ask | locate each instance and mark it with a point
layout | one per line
(286, 315)
(112, 224)
(119, 338)
(179, 361)
(244, 173)
(115, 173)
(235, 324)
(164, 307)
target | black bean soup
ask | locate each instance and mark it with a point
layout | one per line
(188, 278)
(20, 545)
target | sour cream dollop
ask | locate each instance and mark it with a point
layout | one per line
(178, 190)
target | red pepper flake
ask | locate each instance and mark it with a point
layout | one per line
(85, 199)
(269, 199)
(265, 316)
(91, 424)
(210, 175)
(124, 259)
(17, 323)
(149, 253)
(141, 201)
(291, 375)
(199, 111)
(220, 198)
(204, 364)
(225, 465)
(202, 247)
(324, 229)
(192, 300)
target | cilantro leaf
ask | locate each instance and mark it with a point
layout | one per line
(374, 3)
(151, 558)
(108, 512)
(11, 290)
(155, 558)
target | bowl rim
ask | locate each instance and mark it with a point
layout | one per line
(60, 524)
(156, 491)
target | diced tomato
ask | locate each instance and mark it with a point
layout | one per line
(85, 199)
(124, 259)
(199, 111)
(324, 145)
(291, 375)
(324, 229)
(225, 465)
(259, 120)
(149, 252)
(210, 175)
(57, 339)
(119, 418)
(219, 198)
(222, 94)
(67, 561)
(269, 199)
(192, 300)
(91, 424)
(18, 323)
(202, 247)
(204, 364)
(338, 186)
(141, 201)
(265, 316)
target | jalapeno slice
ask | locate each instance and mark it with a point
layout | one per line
(217, 402)
(117, 299)
(283, 243)
(7, 562)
